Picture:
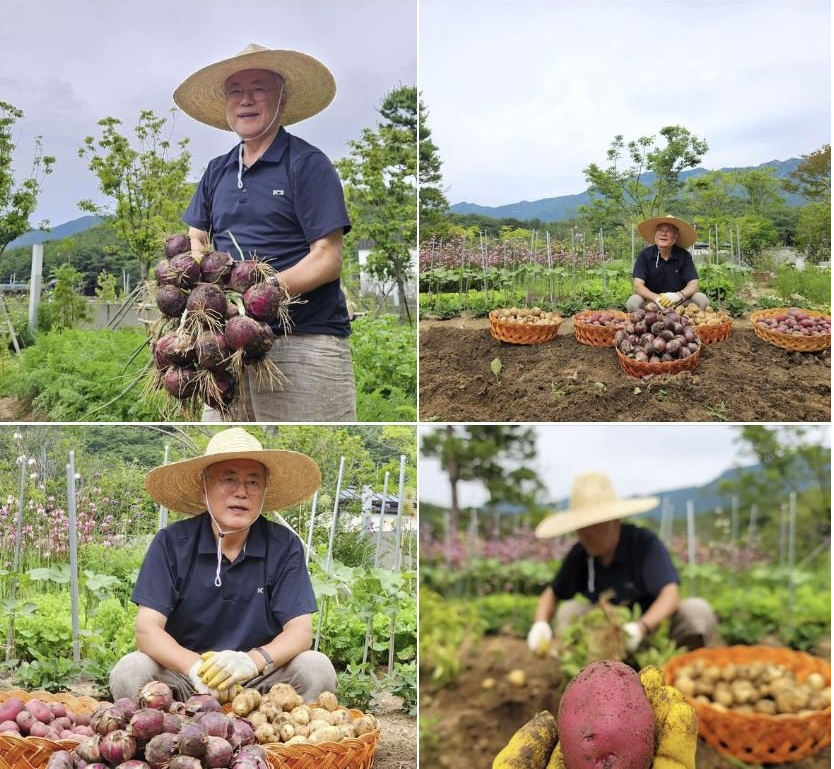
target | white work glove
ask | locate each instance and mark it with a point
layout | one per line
(633, 635)
(669, 298)
(539, 637)
(222, 670)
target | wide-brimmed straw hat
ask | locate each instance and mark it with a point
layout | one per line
(309, 85)
(592, 500)
(291, 477)
(686, 232)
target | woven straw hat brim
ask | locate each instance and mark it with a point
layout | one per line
(309, 85)
(686, 232)
(565, 522)
(292, 478)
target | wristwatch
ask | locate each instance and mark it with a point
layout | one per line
(270, 665)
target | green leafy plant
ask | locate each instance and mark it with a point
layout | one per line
(106, 287)
(66, 308)
(52, 674)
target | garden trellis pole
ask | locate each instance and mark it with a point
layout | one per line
(35, 287)
(738, 242)
(791, 554)
(751, 528)
(549, 267)
(330, 548)
(73, 549)
(690, 544)
(734, 544)
(783, 515)
(400, 502)
(16, 561)
(381, 519)
(310, 532)
(163, 511)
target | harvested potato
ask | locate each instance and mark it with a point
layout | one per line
(328, 734)
(328, 701)
(338, 717)
(346, 732)
(298, 740)
(270, 710)
(246, 701)
(517, 677)
(284, 696)
(301, 714)
(257, 719)
(318, 724)
(266, 733)
(321, 714)
(365, 724)
(287, 732)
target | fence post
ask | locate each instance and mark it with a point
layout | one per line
(397, 561)
(791, 554)
(381, 519)
(73, 548)
(330, 548)
(690, 537)
(16, 561)
(35, 287)
(163, 511)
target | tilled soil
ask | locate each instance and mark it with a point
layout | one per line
(742, 379)
(464, 724)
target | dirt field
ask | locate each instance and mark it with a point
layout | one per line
(466, 725)
(742, 379)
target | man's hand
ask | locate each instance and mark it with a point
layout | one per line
(221, 695)
(539, 637)
(221, 670)
(669, 298)
(676, 728)
(633, 635)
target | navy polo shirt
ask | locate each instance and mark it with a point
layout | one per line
(661, 276)
(291, 197)
(640, 569)
(266, 586)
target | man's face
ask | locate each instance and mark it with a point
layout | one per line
(234, 492)
(601, 538)
(665, 235)
(252, 98)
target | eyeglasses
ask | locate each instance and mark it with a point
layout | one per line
(231, 483)
(666, 228)
(256, 93)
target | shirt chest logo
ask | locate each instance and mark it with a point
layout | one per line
(260, 591)
(277, 192)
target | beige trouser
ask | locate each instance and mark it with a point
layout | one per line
(636, 302)
(310, 674)
(693, 625)
(320, 386)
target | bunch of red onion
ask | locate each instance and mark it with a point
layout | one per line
(657, 335)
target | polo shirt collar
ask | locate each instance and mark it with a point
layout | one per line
(274, 153)
(255, 542)
(619, 555)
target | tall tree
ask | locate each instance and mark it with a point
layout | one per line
(496, 455)
(18, 201)
(812, 177)
(433, 202)
(761, 186)
(148, 184)
(648, 183)
(380, 176)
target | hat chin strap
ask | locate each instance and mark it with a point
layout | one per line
(221, 534)
(243, 141)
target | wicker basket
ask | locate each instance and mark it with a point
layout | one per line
(757, 737)
(638, 369)
(521, 333)
(788, 341)
(717, 333)
(595, 336)
(33, 752)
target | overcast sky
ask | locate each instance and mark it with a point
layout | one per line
(522, 95)
(69, 63)
(639, 459)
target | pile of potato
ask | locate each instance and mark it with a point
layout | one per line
(757, 687)
(797, 322)
(281, 716)
(528, 315)
(705, 317)
(602, 318)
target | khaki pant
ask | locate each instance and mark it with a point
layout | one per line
(693, 625)
(636, 302)
(320, 386)
(310, 674)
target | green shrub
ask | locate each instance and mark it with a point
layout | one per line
(813, 283)
(506, 612)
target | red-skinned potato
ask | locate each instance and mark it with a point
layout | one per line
(605, 719)
(10, 708)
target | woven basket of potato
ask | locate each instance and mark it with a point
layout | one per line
(597, 329)
(296, 735)
(792, 342)
(19, 752)
(710, 333)
(640, 369)
(522, 327)
(758, 704)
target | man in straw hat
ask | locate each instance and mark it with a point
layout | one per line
(664, 272)
(278, 198)
(224, 596)
(610, 554)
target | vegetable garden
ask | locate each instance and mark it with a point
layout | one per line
(552, 377)
(76, 522)
(764, 566)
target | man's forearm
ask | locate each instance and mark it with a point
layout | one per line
(643, 291)
(161, 646)
(322, 265)
(285, 646)
(689, 290)
(663, 607)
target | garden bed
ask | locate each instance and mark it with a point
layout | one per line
(464, 724)
(742, 379)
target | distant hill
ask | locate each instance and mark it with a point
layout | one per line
(59, 232)
(564, 207)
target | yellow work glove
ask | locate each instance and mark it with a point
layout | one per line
(676, 730)
(221, 670)
(222, 696)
